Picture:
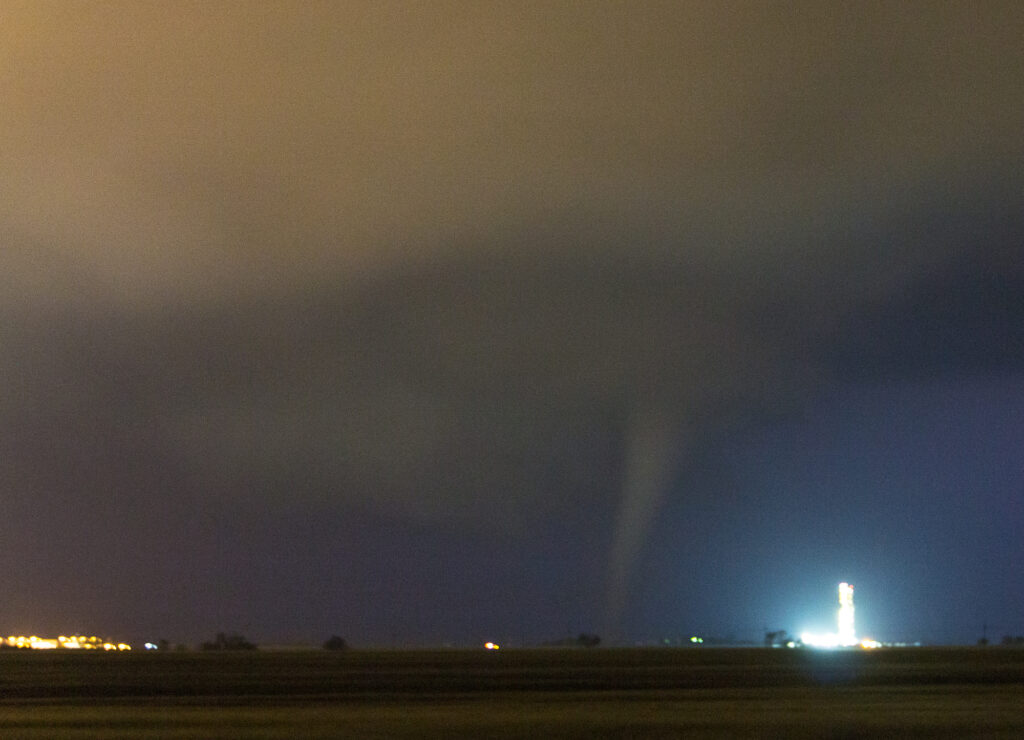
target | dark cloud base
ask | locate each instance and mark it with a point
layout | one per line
(481, 407)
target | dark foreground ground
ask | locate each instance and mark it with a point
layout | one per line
(610, 693)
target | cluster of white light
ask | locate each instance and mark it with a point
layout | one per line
(830, 641)
(72, 642)
(827, 640)
(846, 636)
(847, 633)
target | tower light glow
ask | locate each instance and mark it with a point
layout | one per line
(847, 632)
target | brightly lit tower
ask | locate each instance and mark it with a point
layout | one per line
(847, 634)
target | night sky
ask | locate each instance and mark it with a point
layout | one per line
(426, 323)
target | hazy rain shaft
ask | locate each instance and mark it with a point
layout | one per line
(384, 307)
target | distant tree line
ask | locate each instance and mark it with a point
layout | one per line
(335, 643)
(1017, 640)
(225, 641)
(232, 641)
(583, 639)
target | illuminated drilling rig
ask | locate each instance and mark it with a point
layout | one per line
(847, 634)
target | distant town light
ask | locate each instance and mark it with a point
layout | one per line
(66, 642)
(492, 646)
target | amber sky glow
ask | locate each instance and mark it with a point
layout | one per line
(196, 148)
(330, 303)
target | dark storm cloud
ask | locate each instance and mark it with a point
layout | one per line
(965, 317)
(447, 263)
(434, 387)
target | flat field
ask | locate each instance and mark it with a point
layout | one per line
(548, 693)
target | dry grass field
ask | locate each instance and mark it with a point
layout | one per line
(604, 693)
